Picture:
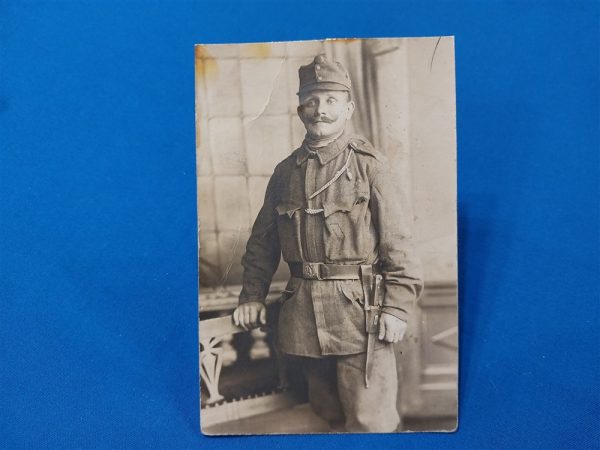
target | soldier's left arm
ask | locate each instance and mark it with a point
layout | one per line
(401, 267)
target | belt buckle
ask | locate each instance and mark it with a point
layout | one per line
(310, 271)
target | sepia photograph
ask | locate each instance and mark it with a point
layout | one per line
(327, 236)
(299, 225)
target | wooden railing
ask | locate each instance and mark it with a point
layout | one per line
(216, 335)
(212, 332)
(215, 350)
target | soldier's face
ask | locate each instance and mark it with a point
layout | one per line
(325, 113)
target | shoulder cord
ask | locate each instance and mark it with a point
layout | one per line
(338, 174)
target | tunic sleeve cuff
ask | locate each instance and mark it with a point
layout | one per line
(251, 298)
(398, 313)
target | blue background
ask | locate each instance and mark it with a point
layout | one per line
(98, 216)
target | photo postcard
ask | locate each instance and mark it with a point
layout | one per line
(327, 236)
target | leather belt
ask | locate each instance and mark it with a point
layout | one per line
(322, 271)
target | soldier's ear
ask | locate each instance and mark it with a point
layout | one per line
(351, 107)
(301, 113)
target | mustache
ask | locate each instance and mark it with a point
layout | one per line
(322, 119)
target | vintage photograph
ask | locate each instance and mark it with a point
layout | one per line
(327, 236)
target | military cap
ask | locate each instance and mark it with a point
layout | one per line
(323, 74)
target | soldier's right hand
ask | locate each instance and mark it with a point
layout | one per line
(250, 315)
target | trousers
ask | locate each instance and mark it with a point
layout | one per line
(337, 392)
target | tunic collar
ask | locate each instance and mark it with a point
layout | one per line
(326, 153)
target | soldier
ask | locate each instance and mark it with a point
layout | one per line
(332, 210)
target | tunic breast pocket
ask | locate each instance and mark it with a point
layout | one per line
(347, 225)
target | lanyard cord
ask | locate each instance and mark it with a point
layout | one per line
(335, 177)
(329, 183)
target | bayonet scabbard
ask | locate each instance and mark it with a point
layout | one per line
(372, 311)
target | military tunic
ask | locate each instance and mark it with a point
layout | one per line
(357, 219)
